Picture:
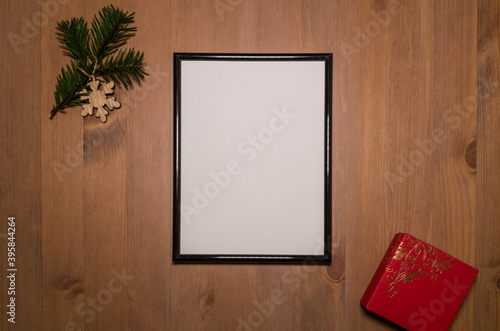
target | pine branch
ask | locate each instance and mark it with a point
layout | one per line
(124, 66)
(110, 31)
(69, 88)
(73, 36)
(96, 53)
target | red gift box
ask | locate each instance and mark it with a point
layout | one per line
(418, 286)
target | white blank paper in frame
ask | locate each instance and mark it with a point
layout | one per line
(252, 149)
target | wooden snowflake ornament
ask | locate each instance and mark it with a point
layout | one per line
(97, 99)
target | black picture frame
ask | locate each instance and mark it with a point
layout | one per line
(191, 71)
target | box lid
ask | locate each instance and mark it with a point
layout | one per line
(418, 286)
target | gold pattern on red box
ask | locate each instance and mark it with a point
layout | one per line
(416, 259)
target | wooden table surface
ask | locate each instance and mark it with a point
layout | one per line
(416, 148)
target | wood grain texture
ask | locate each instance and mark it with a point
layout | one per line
(487, 296)
(64, 284)
(416, 145)
(20, 161)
